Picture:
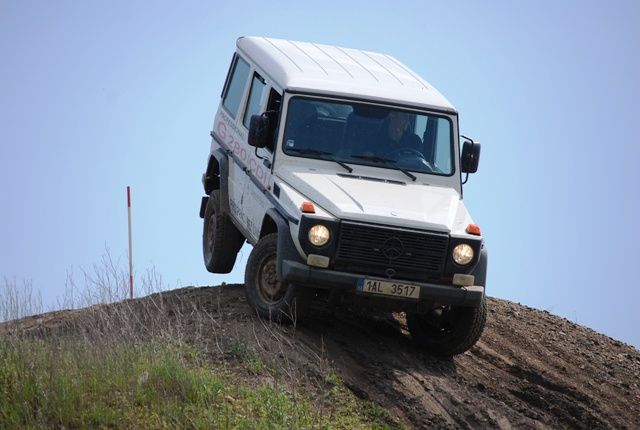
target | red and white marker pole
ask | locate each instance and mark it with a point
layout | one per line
(130, 250)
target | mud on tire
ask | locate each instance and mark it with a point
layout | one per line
(221, 240)
(448, 331)
(271, 298)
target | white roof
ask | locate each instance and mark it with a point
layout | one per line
(331, 70)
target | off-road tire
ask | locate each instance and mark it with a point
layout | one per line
(459, 332)
(271, 299)
(221, 240)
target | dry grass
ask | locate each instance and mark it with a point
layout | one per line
(168, 360)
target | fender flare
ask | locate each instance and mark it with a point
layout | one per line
(217, 177)
(286, 248)
(480, 271)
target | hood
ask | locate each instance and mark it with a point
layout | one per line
(408, 205)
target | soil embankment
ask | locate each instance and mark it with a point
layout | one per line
(530, 369)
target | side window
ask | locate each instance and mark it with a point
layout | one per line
(235, 87)
(255, 97)
(421, 127)
(273, 109)
(442, 157)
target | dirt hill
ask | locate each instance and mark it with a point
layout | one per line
(530, 369)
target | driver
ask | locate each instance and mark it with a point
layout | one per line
(395, 135)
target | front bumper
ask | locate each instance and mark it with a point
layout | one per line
(303, 275)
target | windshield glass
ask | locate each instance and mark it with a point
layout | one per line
(367, 134)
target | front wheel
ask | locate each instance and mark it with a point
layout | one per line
(271, 298)
(448, 330)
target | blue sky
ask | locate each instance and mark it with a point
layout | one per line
(95, 96)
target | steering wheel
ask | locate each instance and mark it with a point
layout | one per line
(409, 153)
(405, 153)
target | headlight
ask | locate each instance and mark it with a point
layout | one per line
(463, 254)
(319, 235)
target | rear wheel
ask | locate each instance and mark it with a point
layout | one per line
(448, 330)
(271, 298)
(221, 240)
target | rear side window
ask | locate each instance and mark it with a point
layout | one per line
(235, 89)
(255, 97)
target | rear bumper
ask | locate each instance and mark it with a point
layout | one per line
(303, 275)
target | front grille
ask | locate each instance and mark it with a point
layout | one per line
(410, 254)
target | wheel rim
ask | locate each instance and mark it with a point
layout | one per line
(271, 290)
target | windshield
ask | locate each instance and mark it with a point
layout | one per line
(366, 134)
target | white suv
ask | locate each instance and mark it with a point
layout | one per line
(343, 169)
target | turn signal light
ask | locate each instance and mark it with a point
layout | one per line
(473, 229)
(308, 208)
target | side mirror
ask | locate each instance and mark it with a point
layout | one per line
(258, 131)
(470, 156)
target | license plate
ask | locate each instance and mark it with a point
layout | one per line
(387, 288)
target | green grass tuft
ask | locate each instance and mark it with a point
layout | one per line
(74, 384)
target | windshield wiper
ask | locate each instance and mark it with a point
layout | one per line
(324, 154)
(377, 159)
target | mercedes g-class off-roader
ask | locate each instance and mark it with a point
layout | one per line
(344, 171)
